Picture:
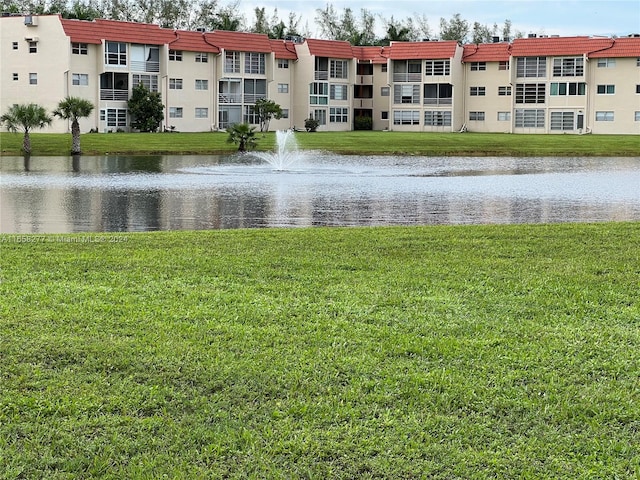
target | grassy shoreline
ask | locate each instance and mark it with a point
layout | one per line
(359, 142)
(440, 352)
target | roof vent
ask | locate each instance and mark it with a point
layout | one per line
(495, 39)
(294, 38)
(532, 35)
(201, 29)
(634, 35)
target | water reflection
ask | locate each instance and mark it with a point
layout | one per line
(141, 193)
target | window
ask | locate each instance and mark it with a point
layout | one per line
(384, 115)
(81, 79)
(477, 91)
(637, 116)
(562, 121)
(530, 92)
(320, 115)
(202, 84)
(338, 115)
(637, 88)
(114, 117)
(285, 113)
(79, 48)
(406, 117)
(503, 65)
(606, 89)
(438, 93)
(232, 62)
(436, 118)
(202, 57)
(638, 62)
(254, 63)
(570, 88)
(175, 84)
(478, 66)
(150, 82)
(604, 116)
(115, 53)
(33, 47)
(531, 67)
(338, 69)
(568, 67)
(406, 94)
(530, 118)
(175, 55)
(384, 91)
(338, 92)
(175, 112)
(477, 116)
(250, 115)
(33, 79)
(606, 62)
(319, 93)
(283, 63)
(202, 112)
(504, 116)
(504, 91)
(437, 67)
(283, 88)
(14, 45)
(384, 68)
(15, 77)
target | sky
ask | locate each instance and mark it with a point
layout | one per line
(543, 17)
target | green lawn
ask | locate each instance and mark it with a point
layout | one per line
(367, 142)
(466, 352)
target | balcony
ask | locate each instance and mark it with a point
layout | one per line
(114, 94)
(230, 98)
(321, 75)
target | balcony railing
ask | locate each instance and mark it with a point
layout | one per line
(114, 94)
(252, 97)
(137, 66)
(407, 77)
(437, 101)
(321, 75)
(230, 98)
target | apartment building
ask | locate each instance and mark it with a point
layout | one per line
(210, 80)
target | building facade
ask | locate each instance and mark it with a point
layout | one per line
(211, 80)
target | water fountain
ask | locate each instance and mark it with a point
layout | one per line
(286, 153)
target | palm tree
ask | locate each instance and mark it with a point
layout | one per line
(73, 108)
(243, 134)
(25, 117)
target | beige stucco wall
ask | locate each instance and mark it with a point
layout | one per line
(50, 63)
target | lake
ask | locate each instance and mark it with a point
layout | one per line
(179, 192)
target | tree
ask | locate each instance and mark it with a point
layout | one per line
(25, 117)
(146, 109)
(266, 110)
(345, 27)
(454, 29)
(74, 108)
(243, 135)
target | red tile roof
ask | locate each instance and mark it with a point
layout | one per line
(371, 54)
(557, 46)
(330, 48)
(423, 50)
(621, 47)
(487, 52)
(239, 41)
(192, 42)
(283, 49)
(99, 29)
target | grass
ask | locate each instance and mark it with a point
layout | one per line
(465, 352)
(359, 142)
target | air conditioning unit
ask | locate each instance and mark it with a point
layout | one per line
(30, 20)
(31, 39)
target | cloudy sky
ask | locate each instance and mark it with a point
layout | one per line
(549, 17)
